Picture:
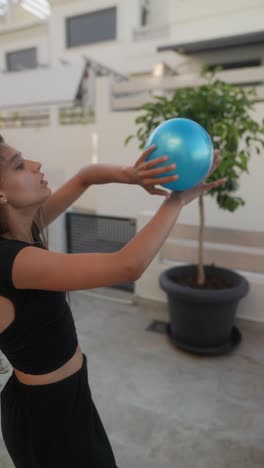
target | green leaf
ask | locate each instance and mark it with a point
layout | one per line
(127, 140)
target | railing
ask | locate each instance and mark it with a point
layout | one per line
(76, 115)
(87, 232)
(132, 94)
(41, 117)
(25, 118)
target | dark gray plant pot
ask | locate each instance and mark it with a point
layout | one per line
(202, 318)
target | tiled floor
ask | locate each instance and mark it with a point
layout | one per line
(163, 408)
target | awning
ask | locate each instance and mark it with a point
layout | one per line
(41, 87)
(214, 44)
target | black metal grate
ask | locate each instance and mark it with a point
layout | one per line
(93, 233)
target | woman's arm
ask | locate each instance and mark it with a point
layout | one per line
(143, 173)
(35, 268)
(146, 244)
(140, 174)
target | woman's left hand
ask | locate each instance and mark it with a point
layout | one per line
(145, 174)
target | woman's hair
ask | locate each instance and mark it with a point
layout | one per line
(37, 229)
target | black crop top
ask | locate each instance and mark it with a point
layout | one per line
(42, 336)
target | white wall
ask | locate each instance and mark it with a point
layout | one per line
(21, 30)
(108, 52)
(25, 39)
(191, 9)
(194, 20)
(188, 20)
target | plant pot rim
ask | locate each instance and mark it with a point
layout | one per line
(187, 293)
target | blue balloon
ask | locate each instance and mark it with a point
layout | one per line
(188, 145)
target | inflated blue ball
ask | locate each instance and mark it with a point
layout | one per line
(188, 145)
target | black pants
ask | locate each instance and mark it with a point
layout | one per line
(54, 425)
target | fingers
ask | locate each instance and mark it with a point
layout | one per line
(158, 171)
(159, 181)
(217, 161)
(155, 191)
(154, 162)
(150, 174)
(146, 153)
(216, 153)
(216, 183)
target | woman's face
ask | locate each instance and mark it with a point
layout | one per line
(21, 179)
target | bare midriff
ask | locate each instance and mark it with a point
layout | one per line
(69, 368)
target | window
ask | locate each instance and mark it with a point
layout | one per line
(21, 59)
(91, 28)
(236, 65)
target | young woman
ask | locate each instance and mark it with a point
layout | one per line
(48, 417)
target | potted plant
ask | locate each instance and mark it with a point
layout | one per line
(203, 299)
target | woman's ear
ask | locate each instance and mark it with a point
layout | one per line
(2, 198)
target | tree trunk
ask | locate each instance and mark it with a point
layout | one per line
(201, 273)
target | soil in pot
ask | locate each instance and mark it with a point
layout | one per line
(211, 282)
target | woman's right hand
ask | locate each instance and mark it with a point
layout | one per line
(187, 196)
